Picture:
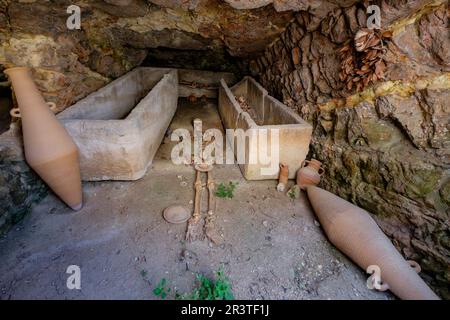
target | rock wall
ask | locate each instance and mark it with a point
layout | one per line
(20, 187)
(115, 37)
(387, 148)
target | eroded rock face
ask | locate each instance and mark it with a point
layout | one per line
(386, 149)
(373, 163)
(115, 37)
(318, 8)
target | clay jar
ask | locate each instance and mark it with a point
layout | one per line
(49, 149)
(309, 174)
(353, 231)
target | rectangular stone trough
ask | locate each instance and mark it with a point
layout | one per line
(265, 113)
(119, 128)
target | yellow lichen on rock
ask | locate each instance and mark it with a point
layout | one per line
(403, 89)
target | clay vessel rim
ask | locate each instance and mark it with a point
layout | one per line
(7, 71)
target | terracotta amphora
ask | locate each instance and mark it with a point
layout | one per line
(49, 149)
(353, 231)
(309, 174)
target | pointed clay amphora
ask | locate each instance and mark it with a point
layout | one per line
(49, 149)
(309, 174)
(356, 234)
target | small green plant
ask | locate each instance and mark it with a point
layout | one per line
(291, 194)
(161, 290)
(294, 192)
(226, 191)
(220, 289)
(207, 289)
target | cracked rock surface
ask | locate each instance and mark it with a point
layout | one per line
(387, 148)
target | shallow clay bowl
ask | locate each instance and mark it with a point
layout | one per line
(176, 214)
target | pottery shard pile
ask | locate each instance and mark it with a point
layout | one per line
(362, 59)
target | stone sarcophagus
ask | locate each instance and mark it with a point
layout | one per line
(119, 128)
(270, 125)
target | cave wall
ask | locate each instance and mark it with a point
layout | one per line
(115, 37)
(386, 148)
(20, 187)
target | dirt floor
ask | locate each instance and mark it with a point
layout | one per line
(272, 247)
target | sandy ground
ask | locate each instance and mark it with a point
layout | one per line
(272, 247)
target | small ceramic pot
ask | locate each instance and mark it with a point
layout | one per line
(310, 173)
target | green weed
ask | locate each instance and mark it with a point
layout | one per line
(226, 191)
(161, 290)
(207, 289)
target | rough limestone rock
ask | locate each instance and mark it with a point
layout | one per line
(20, 187)
(119, 2)
(317, 7)
(386, 149)
(115, 37)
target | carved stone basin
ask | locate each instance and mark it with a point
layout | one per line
(119, 128)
